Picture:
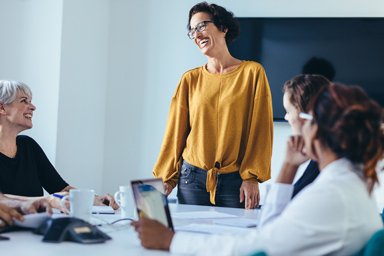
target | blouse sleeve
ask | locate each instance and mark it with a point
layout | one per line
(50, 179)
(256, 164)
(169, 162)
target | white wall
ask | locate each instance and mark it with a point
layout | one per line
(125, 95)
(30, 52)
(83, 88)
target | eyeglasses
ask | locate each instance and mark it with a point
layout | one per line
(200, 27)
(305, 116)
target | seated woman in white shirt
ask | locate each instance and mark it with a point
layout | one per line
(334, 215)
(297, 93)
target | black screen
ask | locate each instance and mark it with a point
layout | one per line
(352, 49)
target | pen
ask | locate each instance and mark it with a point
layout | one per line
(4, 238)
(56, 195)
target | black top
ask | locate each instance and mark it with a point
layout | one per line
(308, 177)
(29, 172)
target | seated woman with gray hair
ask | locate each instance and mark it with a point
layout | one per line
(24, 168)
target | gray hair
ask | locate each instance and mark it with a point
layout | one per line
(10, 89)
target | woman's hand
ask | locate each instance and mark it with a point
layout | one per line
(106, 200)
(153, 234)
(295, 155)
(55, 202)
(35, 206)
(7, 214)
(251, 193)
(168, 189)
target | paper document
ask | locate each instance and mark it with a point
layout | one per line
(239, 222)
(202, 215)
(212, 229)
(33, 220)
(103, 209)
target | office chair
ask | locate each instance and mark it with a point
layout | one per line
(259, 254)
(375, 245)
(382, 215)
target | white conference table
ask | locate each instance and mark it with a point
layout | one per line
(124, 239)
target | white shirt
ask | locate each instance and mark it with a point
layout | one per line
(335, 215)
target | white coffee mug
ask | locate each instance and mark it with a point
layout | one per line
(81, 202)
(124, 199)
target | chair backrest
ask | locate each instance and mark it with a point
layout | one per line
(375, 245)
(259, 254)
(382, 215)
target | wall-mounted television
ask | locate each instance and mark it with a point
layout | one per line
(352, 47)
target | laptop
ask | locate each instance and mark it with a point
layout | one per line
(150, 200)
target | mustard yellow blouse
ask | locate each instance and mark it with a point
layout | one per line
(222, 123)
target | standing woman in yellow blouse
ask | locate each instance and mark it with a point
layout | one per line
(218, 141)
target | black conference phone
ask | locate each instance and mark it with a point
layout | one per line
(70, 229)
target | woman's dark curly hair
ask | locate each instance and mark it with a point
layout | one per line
(351, 125)
(222, 18)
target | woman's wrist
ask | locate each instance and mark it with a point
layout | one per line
(287, 173)
(290, 166)
(168, 240)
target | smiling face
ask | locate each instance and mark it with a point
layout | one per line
(212, 40)
(19, 113)
(292, 115)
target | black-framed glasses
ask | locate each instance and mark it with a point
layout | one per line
(200, 27)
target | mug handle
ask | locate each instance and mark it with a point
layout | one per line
(117, 198)
(63, 203)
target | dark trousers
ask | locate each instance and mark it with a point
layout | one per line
(192, 188)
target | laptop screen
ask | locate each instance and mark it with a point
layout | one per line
(151, 201)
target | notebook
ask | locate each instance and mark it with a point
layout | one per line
(98, 209)
(150, 200)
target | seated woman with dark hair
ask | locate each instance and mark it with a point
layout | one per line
(297, 93)
(335, 214)
(24, 168)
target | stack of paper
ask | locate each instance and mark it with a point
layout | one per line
(239, 222)
(202, 215)
(212, 229)
(33, 220)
